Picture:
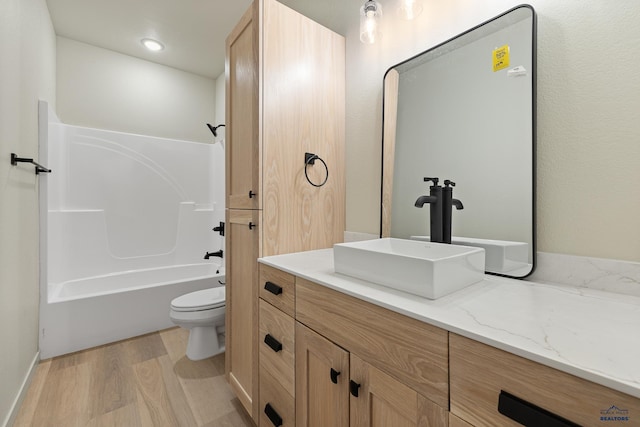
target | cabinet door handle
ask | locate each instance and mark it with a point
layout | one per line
(273, 343)
(251, 226)
(273, 415)
(251, 194)
(353, 388)
(529, 414)
(334, 376)
(273, 288)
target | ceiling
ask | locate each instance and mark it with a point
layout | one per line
(193, 31)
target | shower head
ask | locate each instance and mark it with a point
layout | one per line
(214, 129)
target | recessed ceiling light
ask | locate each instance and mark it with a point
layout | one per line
(152, 45)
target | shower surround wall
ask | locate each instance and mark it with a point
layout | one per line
(131, 212)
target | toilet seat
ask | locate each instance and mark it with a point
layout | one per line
(205, 299)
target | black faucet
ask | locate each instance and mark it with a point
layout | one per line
(448, 202)
(442, 202)
(210, 254)
(435, 213)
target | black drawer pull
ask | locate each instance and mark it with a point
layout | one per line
(529, 414)
(273, 415)
(251, 194)
(334, 376)
(353, 388)
(273, 343)
(273, 288)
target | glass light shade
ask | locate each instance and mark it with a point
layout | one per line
(409, 9)
(152, 45)
(370, 14)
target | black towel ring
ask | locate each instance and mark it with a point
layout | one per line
(309, 159)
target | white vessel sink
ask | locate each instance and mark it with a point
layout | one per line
(502, 256)
(430, 270)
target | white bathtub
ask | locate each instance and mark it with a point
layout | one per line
(125, 222)
(128, 281)
(92, 311)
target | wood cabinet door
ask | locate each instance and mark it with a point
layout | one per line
(379, 400)
(242, 159)
(242, 251)
(407, 349)
(322, 381)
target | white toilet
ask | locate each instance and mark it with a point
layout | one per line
(203, 313)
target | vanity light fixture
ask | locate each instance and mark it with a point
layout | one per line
(370, 14)
(152, 45)
(409, 9)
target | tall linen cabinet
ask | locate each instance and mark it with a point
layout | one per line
(285, 97)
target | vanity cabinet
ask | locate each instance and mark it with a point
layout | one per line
(277, 351)
(322, 381)
(406, 372)
(382, 400)
(277, 366)
(337, 388)
(397, 371)
(353, 363)
(411, 351)
(480, 374)
(457, 422)
(284, 97)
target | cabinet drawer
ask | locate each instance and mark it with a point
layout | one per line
(277, 345)
(479, 373)
(409, 350)
(275, 403)
(278, 288)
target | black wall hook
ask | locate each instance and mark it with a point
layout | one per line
(39, 168)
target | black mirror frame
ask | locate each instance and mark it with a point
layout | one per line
(534, 26)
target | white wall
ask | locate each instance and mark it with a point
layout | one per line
(107, 90)
(588, 113)
(217, 167)
(220, 99)
(27, 73)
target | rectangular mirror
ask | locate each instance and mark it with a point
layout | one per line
(465, 111)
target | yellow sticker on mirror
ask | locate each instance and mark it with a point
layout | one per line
(501, 58)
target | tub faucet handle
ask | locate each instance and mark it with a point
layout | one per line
(220, 228)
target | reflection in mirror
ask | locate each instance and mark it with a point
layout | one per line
(465, 111)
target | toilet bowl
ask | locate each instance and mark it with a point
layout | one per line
(202, 312)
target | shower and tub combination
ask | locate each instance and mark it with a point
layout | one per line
(126, 221)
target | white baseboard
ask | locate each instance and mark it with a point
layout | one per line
(17, 403)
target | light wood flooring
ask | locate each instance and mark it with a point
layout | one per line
(142, 381)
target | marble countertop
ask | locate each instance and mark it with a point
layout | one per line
(591, 334)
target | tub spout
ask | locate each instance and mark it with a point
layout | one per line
(210, 254)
